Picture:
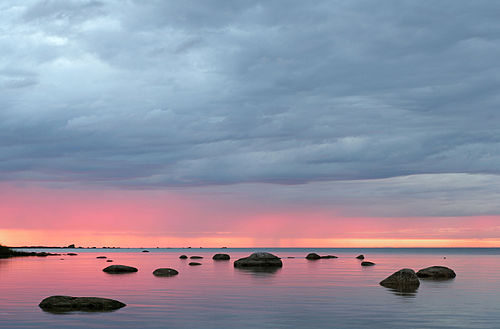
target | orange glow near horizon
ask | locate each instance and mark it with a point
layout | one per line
(138, 218)
(128, 240)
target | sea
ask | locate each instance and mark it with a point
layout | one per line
(325, 293)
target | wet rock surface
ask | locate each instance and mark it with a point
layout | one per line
(259, 259)
(116, 269)
(87, 304)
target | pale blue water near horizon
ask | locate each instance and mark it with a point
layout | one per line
(327, 293)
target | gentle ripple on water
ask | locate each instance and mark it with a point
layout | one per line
(328, 293)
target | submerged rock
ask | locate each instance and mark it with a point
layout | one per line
(360, 257)
(259, 259)
(165, 272)
(88, 304)
(145, 251)
(196, 257)
(329, 256)
(114, 269)
(71, 254)
(194, 264)
(221, 257)
(109, 260)
(183, 257)
(436, 272)
(313, 256)
(101, 257)
(367, 263)
(402, 280)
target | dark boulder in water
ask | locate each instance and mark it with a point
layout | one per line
(116, 269)
(403, 280)
(221, 257)
(71, 254)
(109, 260)
(360, 257)
(88, 304)
(183, 257)
(196, 257)
(259, 259)
(436, 272)
(145, 251)
(194, 264)
(328, 257)
(101, 257)
(165, 272)
(367, 263)
(313, 256)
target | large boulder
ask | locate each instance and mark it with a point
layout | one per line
(88, 304)
(436, 272)
(115, 269)
(165, 272)
(259, 259)
(402, 280)
(221, 257)
(313, 256)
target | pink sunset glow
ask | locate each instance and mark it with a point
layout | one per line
(133, 218)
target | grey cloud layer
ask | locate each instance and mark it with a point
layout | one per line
(151, 94)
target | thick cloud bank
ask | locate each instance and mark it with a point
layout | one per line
(151, 94)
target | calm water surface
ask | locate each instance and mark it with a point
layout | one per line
(328, 293)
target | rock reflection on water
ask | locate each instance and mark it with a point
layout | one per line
(411, 293)
(259, 271)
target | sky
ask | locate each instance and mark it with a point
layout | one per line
(250, 123)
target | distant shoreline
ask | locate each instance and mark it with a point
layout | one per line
(197, 248)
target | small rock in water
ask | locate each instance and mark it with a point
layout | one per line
(183, 257)
(194, 264)
(196, 257)
(71, 254)
(116, 269)
(360, 257)
(221, 257)
(403, 280)
(101, 257)
(367, 263)
(259, 259)
(329, 256)
(313, 256)
(436, 272)
(109, 260)
(145, 251)
(88, 304)
(165, 272)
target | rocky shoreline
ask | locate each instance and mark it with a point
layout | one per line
(6, 252)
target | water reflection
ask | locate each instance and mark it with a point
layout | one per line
(259, 271)
(411, 293)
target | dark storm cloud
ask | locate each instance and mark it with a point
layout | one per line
(150, 94)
